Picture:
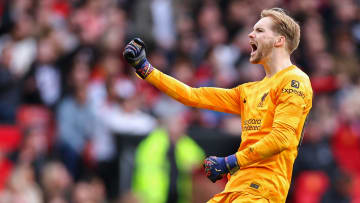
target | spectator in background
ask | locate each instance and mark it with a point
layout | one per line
(346, 62)
(75, 120)
(117, 110)
(82, 193)
(10, 87)
(90, 20)
(109, 66)
(339, 190)
(315, 153)
(141, 22)
(42, 84)
(323, 79)
(346, 139)
(24, 44)
(118, 115)
(22, 187)
(121, 110)
(164, 163)
(184, 71)
(56, 182)
(33, 149)
(89, 191)
(163, 27)
(313, 31)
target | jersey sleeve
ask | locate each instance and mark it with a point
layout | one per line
(217, 99)
(293, 102)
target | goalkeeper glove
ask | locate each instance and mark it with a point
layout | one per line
(135, 55)
(217, 167)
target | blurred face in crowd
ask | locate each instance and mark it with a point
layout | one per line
(82, 193)
(46, 51)
(23, 27)
(177, 126)
(262, 41)
(56, 179)
(80, 74)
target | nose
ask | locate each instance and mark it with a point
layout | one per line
(251, 35)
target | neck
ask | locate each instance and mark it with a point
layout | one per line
(276, 62)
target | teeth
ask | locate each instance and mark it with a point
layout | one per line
(253, 46)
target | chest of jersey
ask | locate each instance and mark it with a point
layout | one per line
(258, 108)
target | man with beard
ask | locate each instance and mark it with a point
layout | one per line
(273, 111)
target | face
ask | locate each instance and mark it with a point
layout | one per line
(262, 41)
(176, 126)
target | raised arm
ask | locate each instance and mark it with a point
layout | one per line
(218, 99)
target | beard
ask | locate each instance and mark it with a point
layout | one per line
(261, 53)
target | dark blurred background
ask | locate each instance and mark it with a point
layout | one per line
(76, 124)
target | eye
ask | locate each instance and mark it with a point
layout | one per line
(259, 30)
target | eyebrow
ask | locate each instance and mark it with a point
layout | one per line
(257, 28)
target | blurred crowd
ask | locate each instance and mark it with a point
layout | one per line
(66, 91)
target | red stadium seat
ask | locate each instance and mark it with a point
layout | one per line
(310, 186)
(10, 138)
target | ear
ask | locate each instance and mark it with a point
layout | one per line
(280, 41)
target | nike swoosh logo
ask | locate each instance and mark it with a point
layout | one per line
(217, 170)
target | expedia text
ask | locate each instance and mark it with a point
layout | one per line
(292, 91)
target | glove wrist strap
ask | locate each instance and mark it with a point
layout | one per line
(232, 164)
(143, 69)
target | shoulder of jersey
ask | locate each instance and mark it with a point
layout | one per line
(298, 72)
(249, 84)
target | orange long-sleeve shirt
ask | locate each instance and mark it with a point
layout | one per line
(273, 112)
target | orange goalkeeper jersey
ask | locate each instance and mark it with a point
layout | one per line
(273, 112)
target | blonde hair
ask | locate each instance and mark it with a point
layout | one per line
(284, 25)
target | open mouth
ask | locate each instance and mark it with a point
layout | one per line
(253, 47)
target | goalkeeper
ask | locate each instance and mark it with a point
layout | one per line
(273, 111)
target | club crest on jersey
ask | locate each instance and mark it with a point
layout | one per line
(295, 84)
(261, 104)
